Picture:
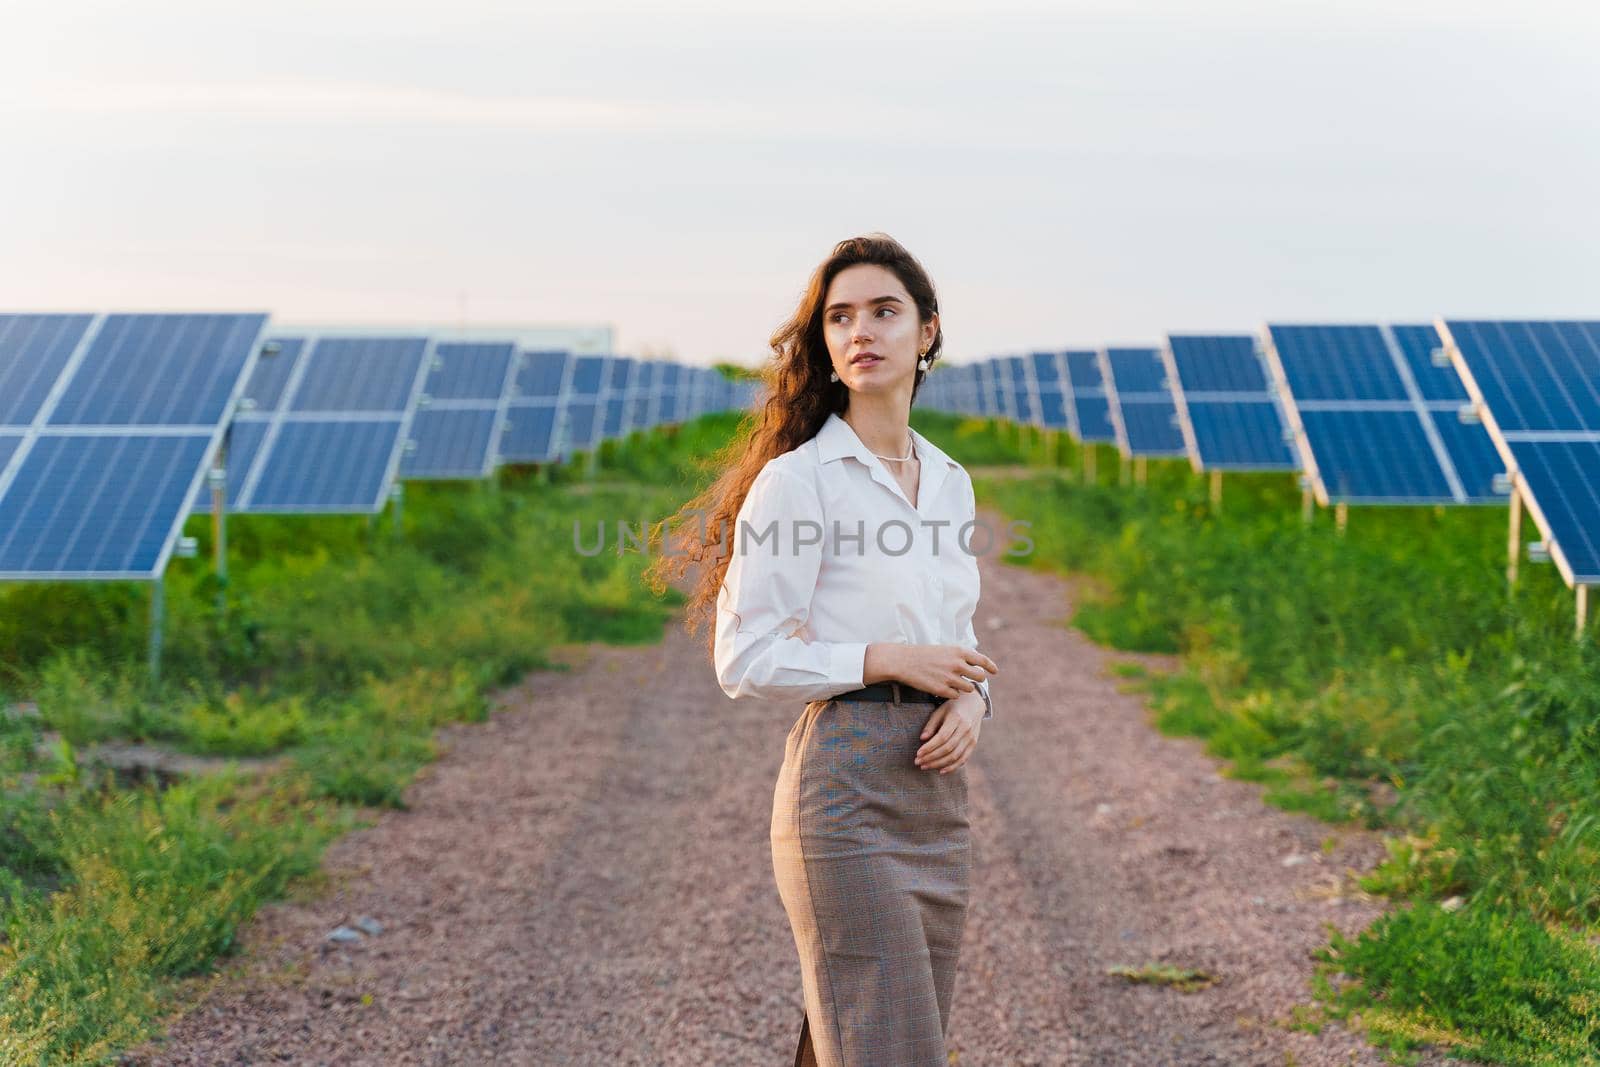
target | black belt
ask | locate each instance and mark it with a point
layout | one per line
(893, 692)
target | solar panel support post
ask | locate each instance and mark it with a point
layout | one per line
(1513, 541)
(1216, 491)
(1306, 502)
(218, 476)
(1581, 608)
(396, 496)
(1122, 471)
(158, 618)
(1140, 471)
(1341, 516)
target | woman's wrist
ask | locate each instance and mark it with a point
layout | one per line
(881, 663)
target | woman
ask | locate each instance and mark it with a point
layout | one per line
(848, 582)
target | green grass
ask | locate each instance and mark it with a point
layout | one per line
(341, 649)
(1384, 676)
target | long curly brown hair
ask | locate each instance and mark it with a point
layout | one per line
(796, 399)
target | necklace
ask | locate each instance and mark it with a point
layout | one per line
(910, 453)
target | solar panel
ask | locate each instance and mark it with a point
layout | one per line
(1044, 369)
(109, 424)
(1536, 386)
(1225, 404)
(543, 381)
(33, 351)
(1142, 410)
(331, 440)
(1021, 402)
(1366, 427)
(1091, 405)
(465, 398)
(618, 395)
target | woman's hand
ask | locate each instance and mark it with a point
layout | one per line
(951, 733)
(943, 670)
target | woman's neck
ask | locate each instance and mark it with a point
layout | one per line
(885, 432)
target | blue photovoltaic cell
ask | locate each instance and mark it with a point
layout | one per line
(1094, 419)
(450, 443)
(1150, 429)
(1472, 452)
(345, 374)
(1231, 411)
(1137, 370)
(1242, 434)
(8, 447)
(542, 373)
(1376, 456)
(1417, 344)
(1337, 363)
(90, 506)
(264, 390)
(326, 467)
(1217, 364)
(1083, 369)
(469, 371)
(587, 375)
(163, 370)
(1540, 376)
(1563, 477)
(529, 437)
(582, 425)
(33, 351)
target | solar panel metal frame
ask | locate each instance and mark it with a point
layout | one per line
(281, 414)
(502, 405)
(1503, 440)
(39, 427)
(1414, 403)
(1180, 397)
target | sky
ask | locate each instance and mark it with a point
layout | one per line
(1070, 174)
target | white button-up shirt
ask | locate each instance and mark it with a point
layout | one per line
(828, 555)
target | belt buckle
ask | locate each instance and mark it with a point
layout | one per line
(896, 687)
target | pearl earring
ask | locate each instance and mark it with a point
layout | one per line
(922, 364)
(833, 376)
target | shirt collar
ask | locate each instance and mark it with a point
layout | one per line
(836, 439)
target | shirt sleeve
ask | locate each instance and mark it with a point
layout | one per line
(969, 636)
(766, 596)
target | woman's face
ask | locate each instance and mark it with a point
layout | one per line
(871, 326)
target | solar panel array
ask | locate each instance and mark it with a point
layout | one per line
(1536, 385)
(109, 424)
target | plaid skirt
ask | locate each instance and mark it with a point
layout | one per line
(873, 861)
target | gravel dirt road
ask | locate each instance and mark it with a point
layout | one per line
(586, 879)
